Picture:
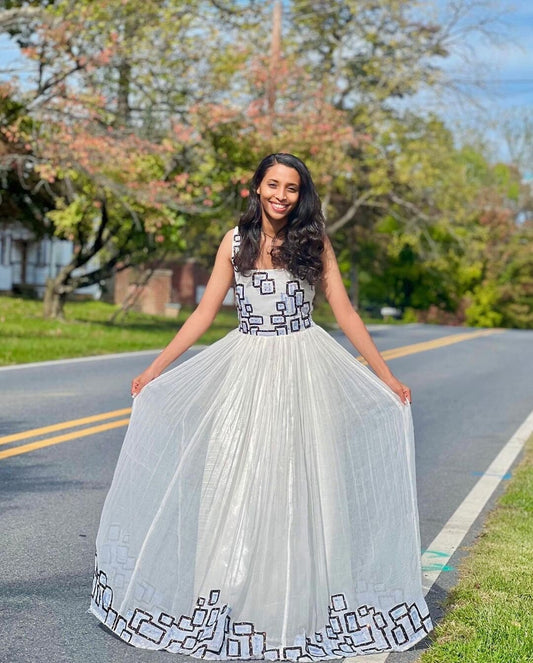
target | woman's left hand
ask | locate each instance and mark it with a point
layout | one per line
(402, 390)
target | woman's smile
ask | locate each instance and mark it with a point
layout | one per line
(279, 208)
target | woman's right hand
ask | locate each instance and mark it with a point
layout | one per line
(139, 382)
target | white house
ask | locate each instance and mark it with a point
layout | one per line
(26, 262)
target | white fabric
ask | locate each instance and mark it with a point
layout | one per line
(264, 504)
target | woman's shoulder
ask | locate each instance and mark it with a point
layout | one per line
(231, 234)
(230, 242)
(226, 245)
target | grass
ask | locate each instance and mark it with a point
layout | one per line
(489, 614)
(25, 336)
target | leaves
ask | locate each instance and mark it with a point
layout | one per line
(138, 125)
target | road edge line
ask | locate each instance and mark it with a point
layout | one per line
(458, 525)
(72, 360)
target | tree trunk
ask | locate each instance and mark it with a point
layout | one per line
(55, 296)
(131, 299)
(123, 104)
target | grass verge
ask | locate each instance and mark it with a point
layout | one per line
(25, 336)
(489, 614)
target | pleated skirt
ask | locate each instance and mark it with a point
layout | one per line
(264, 507)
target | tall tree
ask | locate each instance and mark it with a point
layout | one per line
(112, 82)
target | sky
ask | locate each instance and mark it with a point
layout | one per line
(506, 69)
(508, 66)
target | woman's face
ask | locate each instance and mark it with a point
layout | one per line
(279, 192)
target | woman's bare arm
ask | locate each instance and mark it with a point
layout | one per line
(199, 321)
(352, 325)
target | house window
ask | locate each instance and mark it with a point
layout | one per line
(4, 249)
(41, 254)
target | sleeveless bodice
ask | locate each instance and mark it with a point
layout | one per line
(272, 302)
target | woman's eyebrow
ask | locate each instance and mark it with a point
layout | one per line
(271, 179)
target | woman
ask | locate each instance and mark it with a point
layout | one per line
(264, 502)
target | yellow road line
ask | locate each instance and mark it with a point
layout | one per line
(15, 451)
(405, 350)
(25, 448)
(34, 432)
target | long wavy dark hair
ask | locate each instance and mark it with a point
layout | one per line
(303, 235)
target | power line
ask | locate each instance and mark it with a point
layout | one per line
(496, 81)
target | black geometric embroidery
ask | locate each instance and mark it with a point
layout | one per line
(236, 242)
(209, 632)
(263, 311)
(292, 310)
(266, 286)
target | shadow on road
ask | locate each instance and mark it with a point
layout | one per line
(17, 479)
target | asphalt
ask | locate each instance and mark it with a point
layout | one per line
(468, 399)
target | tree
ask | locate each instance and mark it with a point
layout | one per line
(25, 197)
(106, 129)
(375, 57)
(148, 141)
(501, 248)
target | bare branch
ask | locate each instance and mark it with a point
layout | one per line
(349, 214)
(12, 18)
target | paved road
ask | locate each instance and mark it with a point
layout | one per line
(468, 399)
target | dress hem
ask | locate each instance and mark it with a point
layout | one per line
(333, 657)
(210, 632)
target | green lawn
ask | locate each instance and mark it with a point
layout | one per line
(489, 616)
(25, 336)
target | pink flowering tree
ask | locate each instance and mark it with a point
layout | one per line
(103, 128)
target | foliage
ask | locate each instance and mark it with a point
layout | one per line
(104, 134)
(138, 127)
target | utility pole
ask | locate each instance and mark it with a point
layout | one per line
(275, 56)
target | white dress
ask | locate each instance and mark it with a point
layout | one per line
(264, 502)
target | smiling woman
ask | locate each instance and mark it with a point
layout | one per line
(283, 225)
(263, 484)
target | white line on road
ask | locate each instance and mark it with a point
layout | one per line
(448, 540)
(116, 355)
(73, 360)
(451, 535)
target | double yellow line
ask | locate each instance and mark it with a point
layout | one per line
(57, 439)
(113, 421)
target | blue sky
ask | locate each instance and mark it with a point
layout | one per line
(506, 69)
(511, 64)
(503, 65)
(508, 65)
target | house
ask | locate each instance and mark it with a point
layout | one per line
(27, 262)
(163, 288)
